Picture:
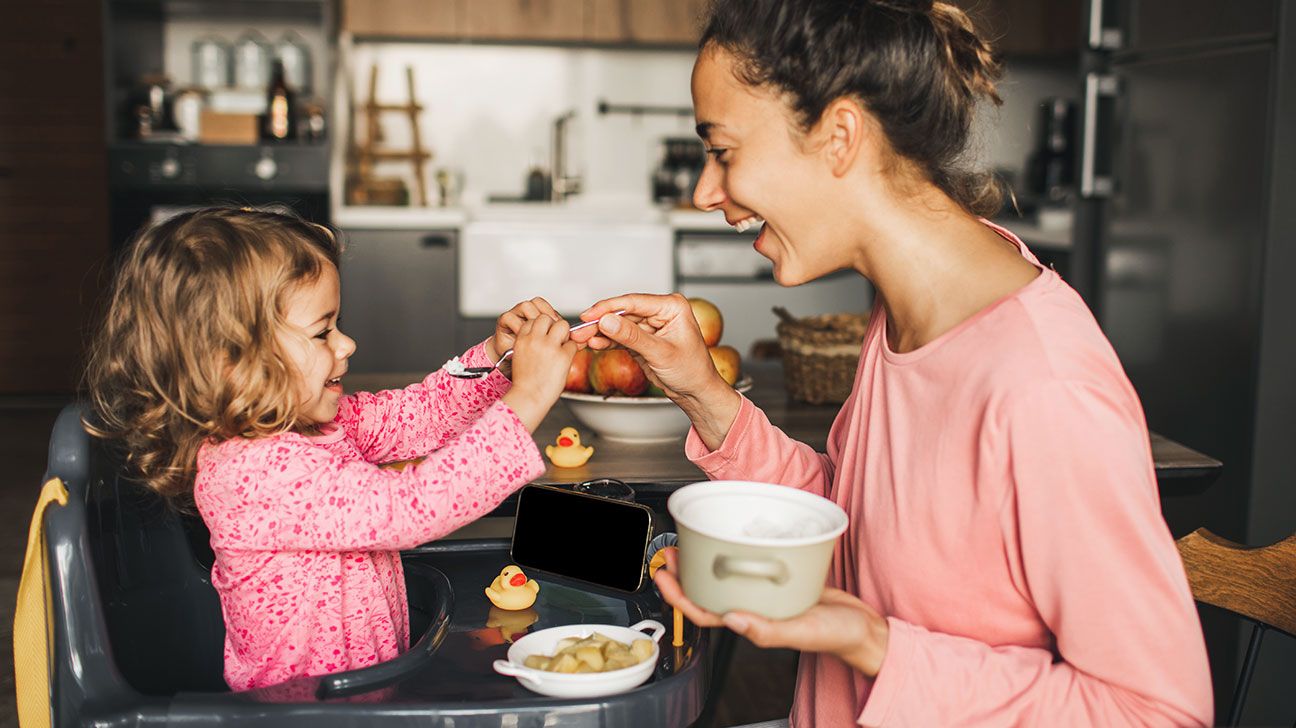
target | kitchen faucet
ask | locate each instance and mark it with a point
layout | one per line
(562, 184)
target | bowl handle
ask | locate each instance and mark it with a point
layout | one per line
(658, 629)
(773, 569)
(504, 667)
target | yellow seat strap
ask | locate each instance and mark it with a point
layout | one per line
(33, 619)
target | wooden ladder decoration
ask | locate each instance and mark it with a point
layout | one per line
(370, 152)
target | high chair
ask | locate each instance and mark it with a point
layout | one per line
(120, 625)
(1256, 583)
(118, 622)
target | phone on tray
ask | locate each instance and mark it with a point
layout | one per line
(586, 537)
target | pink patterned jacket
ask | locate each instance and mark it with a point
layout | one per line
(307, 530)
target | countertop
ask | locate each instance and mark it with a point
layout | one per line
(1180, 469)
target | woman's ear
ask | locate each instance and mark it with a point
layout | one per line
(845, 127)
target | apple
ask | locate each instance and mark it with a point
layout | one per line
(709, 320)
(727, 362)
(614, 371)
(578, 374)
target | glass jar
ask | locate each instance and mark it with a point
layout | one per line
(252, 61)
(295, 56)
(211, 62)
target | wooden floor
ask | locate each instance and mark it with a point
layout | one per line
(759, 686)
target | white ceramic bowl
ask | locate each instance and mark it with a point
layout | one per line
(633, 419)
(754, 546)
(580, 685)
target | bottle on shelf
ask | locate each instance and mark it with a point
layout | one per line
(280, 120)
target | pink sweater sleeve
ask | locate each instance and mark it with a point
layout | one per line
(754, 449)
(399, 424)
(1091, 551)
(286, 494)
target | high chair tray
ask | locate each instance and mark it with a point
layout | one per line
(457, 684)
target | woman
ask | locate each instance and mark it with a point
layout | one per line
(1006, 562)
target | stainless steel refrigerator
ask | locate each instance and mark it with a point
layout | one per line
(1184, 238)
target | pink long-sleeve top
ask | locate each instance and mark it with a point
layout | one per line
(1004, 518)
(307, 530)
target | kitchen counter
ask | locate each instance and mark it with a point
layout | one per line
(1180, 469)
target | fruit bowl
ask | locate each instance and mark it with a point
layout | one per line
(581, 685)
(639, 420)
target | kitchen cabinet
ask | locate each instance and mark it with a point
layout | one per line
(665, 22)
(398, 298)
(557, 20)
(662, 22)
(1027, 28)
(404, 18)
(53, 204)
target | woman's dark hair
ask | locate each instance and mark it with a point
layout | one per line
(917, 66)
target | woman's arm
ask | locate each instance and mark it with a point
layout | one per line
(399, 424)
(285, 494)
(1084, 532)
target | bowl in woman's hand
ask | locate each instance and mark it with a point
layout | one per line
(638, 420)
(756, 547)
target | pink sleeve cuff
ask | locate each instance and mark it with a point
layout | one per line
(891, 677)
(713, 462)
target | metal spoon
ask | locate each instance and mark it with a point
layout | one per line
(479, 372)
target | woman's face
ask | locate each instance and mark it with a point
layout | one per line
(315, 346)
(761, 168)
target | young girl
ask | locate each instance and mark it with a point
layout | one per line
(219, 372)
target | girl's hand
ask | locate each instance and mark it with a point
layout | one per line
(664, 335)
(542, 355)
(510, 323)
(840, 624)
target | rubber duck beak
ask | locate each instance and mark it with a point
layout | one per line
(565, 441)
(518, 579)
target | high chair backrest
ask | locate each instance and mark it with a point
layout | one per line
(135, 613)
(1257, 583)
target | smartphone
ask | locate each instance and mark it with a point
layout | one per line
(585, 537)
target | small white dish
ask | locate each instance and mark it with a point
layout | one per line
(639, 420)
(581, 685)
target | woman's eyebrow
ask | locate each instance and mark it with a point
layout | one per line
(704, 130)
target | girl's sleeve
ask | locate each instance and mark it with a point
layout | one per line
(1089, 548)
(756, 450)
(289, 495)
(399, 424)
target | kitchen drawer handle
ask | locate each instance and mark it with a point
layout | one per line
(1101, 36)
(436, 240)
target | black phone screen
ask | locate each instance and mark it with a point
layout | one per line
(594, 539)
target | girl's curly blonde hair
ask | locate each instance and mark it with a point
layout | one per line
(187, 351)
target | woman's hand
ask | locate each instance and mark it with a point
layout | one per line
(510, 323)
(542, 355)
(663, 334)
(840, 624)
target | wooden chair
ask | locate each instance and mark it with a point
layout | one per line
(1256, 583)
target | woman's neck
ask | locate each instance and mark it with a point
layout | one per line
(933, 265)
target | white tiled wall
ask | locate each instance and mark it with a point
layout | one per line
(490, 110)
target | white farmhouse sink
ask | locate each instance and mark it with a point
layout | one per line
(570, 255)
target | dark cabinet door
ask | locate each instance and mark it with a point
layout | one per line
(398, 299)
(1162, 24)
(53, 192)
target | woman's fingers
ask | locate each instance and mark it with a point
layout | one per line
(674, 595)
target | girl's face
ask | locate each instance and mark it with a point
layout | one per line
(316, 348)
(760, 168)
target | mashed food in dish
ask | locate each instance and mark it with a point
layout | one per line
(595, 653)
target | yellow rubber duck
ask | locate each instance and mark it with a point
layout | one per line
(512, 590)
(568, 453)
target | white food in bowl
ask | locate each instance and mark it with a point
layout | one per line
(581, 685)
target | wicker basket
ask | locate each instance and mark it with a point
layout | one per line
(821, 354)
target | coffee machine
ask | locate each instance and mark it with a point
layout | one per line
(679, 164)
